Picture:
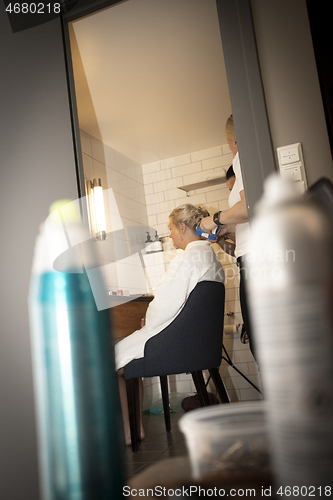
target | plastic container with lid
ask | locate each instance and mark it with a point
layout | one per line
(226, 437)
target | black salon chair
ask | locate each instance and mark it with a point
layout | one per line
(191, 343)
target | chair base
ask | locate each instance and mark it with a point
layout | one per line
(132, 387)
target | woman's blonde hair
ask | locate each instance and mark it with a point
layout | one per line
(191, 215)
(230, 129)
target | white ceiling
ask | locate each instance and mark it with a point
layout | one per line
(150, 77)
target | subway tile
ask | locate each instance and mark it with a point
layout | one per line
(237, 345)
(139, 175)
(155, 198)
(223, 205)
(121, 162)
(152, 220)
(141, 194)
(225, 370)
(214, 196)
(196, 199)
(193, 178)
(184, 386)
(233, 396)
(190, 168)
(253, 368)
(192, 388)
(232, 294)
(206, 153)
(219, 195)
(230, 280)
(163, 218)
(88, 166)
(236, 382)
(168, 184)
(232, 305)
(244, 356)
(250, 394)
(228, 159)
(228, 344)
(211, 163)
(111, 175)
(223, 161)
(255, 379)
(175, 194)
(97, 148)
(131, 171)
(163, 175)
(160, 187)
(149, 189)
(151, 167)
(123, 183)
(176, 161)
(109, 156)
(85, 142)
(244, 368)
(153, 209)
(225, 149)
(156, 390)
(149, 178)
(225, 193)
(220, 254)
(167, 206)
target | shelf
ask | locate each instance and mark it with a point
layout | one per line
(203, 184)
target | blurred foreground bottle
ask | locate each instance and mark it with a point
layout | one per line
(290, 273)
(78, 409)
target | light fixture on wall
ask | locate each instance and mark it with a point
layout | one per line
(96, 208)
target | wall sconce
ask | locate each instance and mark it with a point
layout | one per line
(96, 208)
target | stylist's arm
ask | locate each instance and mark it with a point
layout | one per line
(234, 215)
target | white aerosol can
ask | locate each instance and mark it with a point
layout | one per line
(290, 271)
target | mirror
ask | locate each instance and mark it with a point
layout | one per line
(152, 100)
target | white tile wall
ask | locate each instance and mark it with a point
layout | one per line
(161, 180)
(125, 205)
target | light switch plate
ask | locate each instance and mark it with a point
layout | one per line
(291, 164)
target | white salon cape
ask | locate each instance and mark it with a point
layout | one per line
(196, 263)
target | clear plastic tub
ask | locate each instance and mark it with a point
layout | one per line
(226, 437)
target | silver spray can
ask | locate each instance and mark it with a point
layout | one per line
(77, 400)
(290, 271)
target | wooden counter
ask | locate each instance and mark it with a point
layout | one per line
(126, 317)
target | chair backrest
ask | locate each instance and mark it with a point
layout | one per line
(193, 341)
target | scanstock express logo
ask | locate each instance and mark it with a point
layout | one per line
(119, 268)
(24, 15)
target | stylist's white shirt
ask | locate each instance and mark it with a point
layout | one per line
(242, 230)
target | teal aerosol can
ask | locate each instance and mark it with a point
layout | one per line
(290, 282)
(77, 400)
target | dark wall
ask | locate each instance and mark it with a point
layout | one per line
(37, 167)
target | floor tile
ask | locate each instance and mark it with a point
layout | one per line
(157, 445)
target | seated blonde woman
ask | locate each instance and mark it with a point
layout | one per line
(196, 263)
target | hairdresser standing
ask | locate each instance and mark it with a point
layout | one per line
(235, 220)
